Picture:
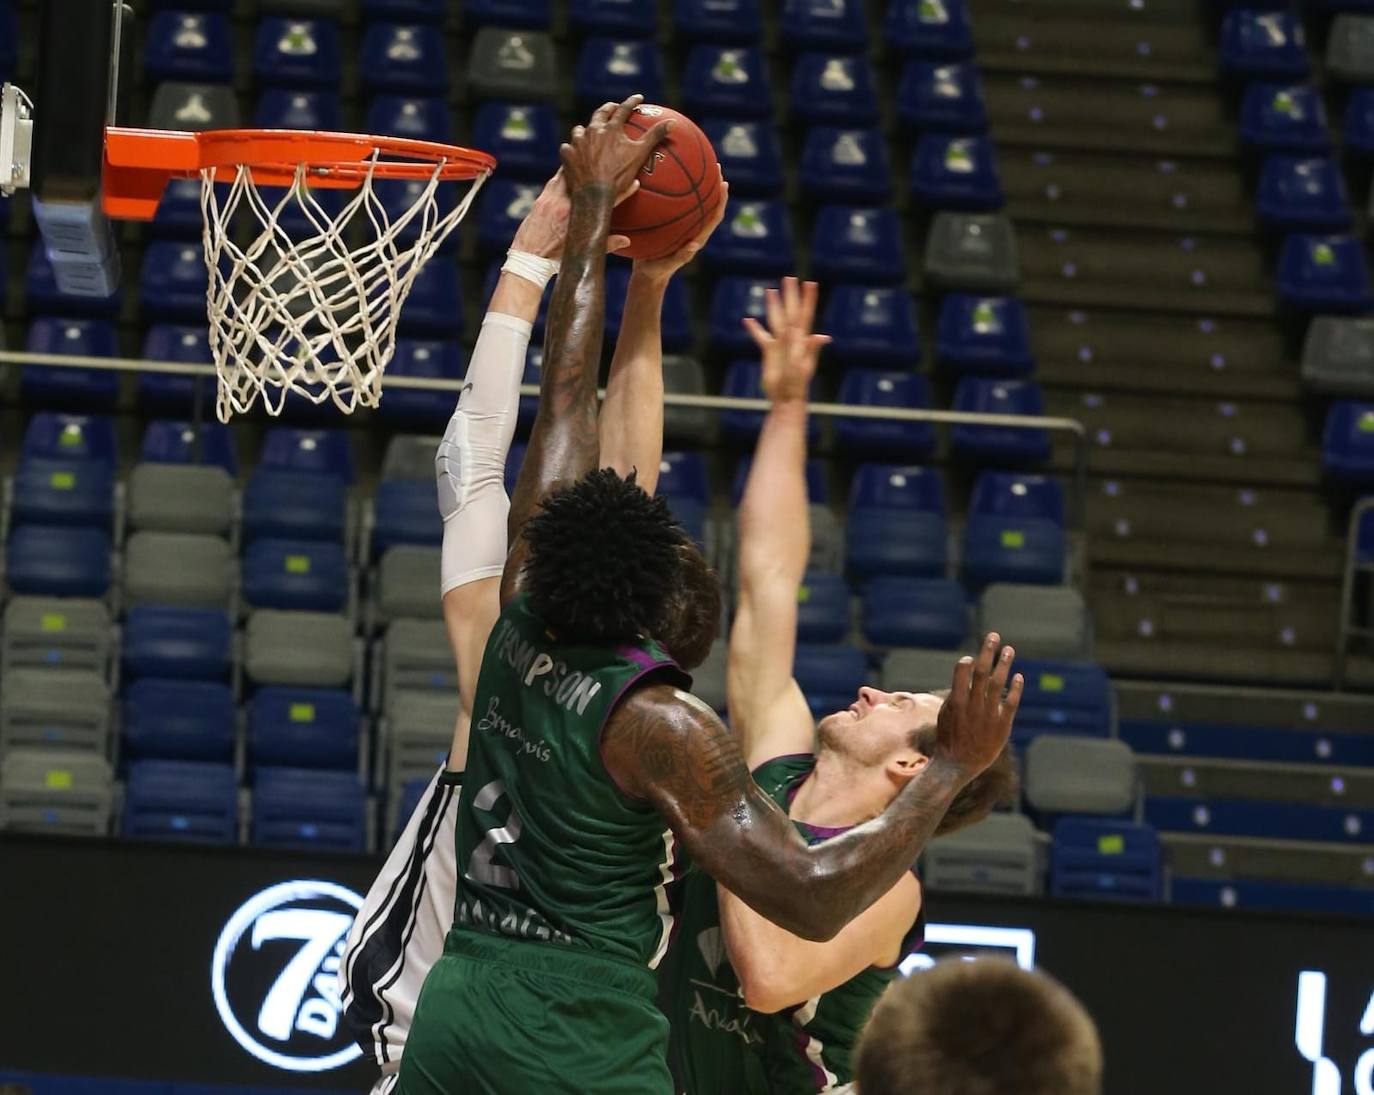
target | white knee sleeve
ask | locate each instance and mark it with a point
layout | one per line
(470, 464)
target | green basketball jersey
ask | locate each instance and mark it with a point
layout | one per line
(549, 848)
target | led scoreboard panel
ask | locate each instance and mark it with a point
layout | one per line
(218, 965)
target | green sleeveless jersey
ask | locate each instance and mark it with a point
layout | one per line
(807, 1048)
(548, 847)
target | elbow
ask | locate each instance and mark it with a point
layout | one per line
(764, 985)
(763, 998)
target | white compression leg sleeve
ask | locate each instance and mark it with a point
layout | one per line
(470, 464)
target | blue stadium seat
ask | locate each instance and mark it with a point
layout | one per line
(422, 358)
(1272, 896)
(294, 108)
(931, 613)
(63, 492)
(304, 575)
(181, 800)
(180, 720)
(1062, 698)
(1180, 738)
(1348, 442)
(53, 436)
(173, 642)
(955, 173)
(325, 452)
(717, 21)
(733, 299)
(1265, 44)
(310, 810)
(1012, 549)
(872, 325)
(504, 204)
(748, 153)
(1302, 194)
(845, 165)
(405, 58)
(1283, 118)
(824, 24)
(1010, 494)
(58, 562)
(878, 437)
(416, 117)
(168, 441)
(618, 18)
(822, 608)
(398, 196)
(1324, 274)
(1007, 445)
(938, 29)
(411, 792)
(1273, 820)
(856, 244)
(896, 524)
(833, 88)
(179, 214)
(614, 69)
(817, 481)
(71, 389)
(294, 505)
(987, 336)
(405, 512)
(941, 96)
(754, 238)
(425, 11)
(1106, 860)
(524, 137)
(303, 727)
(196, 47)
(297, 53)
(726, 82)
(682, 475)
(430, 310)
(43, 297)
(531, 14)
(830, 676)
(173, 281)
(1357, 125)
(744, 380)
(676, 332)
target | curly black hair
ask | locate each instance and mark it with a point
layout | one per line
(604, 560)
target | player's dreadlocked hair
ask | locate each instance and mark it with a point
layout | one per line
(604, 560)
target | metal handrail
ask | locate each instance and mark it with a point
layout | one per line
(1345, 629)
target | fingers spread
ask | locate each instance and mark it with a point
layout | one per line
(773, 308)
(999, 676)
(1013, 700)
(963, 675)
(761, 337)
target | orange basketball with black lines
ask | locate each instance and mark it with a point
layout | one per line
(679, 187)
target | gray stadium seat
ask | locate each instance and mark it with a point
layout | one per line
(407, 584)
(306, 648)
(62, 709)
(70, 632)
(686, 425)
(50, 791)
(181, 498)
(972, 251)
(410, 456)
(174, 568)
(919, 670)
(708, 679)
(997, 855)
(1338, 355)
(512, 64)
(419, 731)
(1040, 621)
(1350, 48)
(1065, 774)
(194, 107)
(415, 656)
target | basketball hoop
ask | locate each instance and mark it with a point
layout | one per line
(312, 310)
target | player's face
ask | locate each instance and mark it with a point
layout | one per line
(878, 724)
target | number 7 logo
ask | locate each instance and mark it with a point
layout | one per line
(1309, 1032)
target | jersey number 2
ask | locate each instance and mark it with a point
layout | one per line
(481, 867)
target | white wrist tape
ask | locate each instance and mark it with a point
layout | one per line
(533, 268)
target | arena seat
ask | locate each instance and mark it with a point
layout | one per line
(726, 82)
(614, 69)
(1062, 697)
(404, 512)
(845, 165)
(823, 24)
(717, 20)
(302, 648)
(1048, 621)
(398, 197)
(735, 297)
(997, 855)
(744, 380)
(302, 575)
(58, 562)
(683, 475)
(403, 58)
(1324, 274)
(1357, 124)
(432, 359)
(183, 801)
(166, 393)
(1105, 860)
(63, 492)
(188, 46)
(177, 642)
(856, 244)
(1078, 775)
(872, 325)
(310, 810)
(1283, 118)
(822, 608)
(916, 612)
(78, 438)
(178, 569)
(180, 720)
(409, 458)
(168, 441)
(429, 309)
(415, 658)
(43, 297)
(675, 316)
(179, 213)
(1265, 44)
(297, 53)
(69, 632)
(1009, 446)
(922, 28)
(684, 375)
(1348, 442)
(1011, 494)
(936, 97)
(754, 238)
(833, 89)
(172, 283)
(955, 172)
(1240, 817)
(619, 18)
(295, 505)
(406, 584)
(55, 791)
(193, 106)
(521, 14)
(303, 727)
(830, 675)
(748, 153)
(972, 251)
(907, 669)
(1272, 896)
(885, 438)
(1012, 549)
(988, 336)
(71, 389)
(295, 108)
(421, 118)
(323, 452)
(523, 137)
(896, 523)
(1338, 355)
(49, 708)
(1302, 194)
(1350, 48)
(513, 65)
(419, 731)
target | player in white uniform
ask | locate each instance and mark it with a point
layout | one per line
(400, 930)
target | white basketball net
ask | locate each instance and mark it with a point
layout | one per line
(303, 309)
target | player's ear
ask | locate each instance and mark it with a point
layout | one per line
(906, 763)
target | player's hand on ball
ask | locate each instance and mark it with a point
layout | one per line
(602, 153)
(975, 719)
(662, 269)
(789, 348)
(545, 227)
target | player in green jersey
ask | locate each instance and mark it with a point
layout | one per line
(793, 1008)
(589, 765)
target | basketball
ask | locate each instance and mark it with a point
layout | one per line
(678, 188)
